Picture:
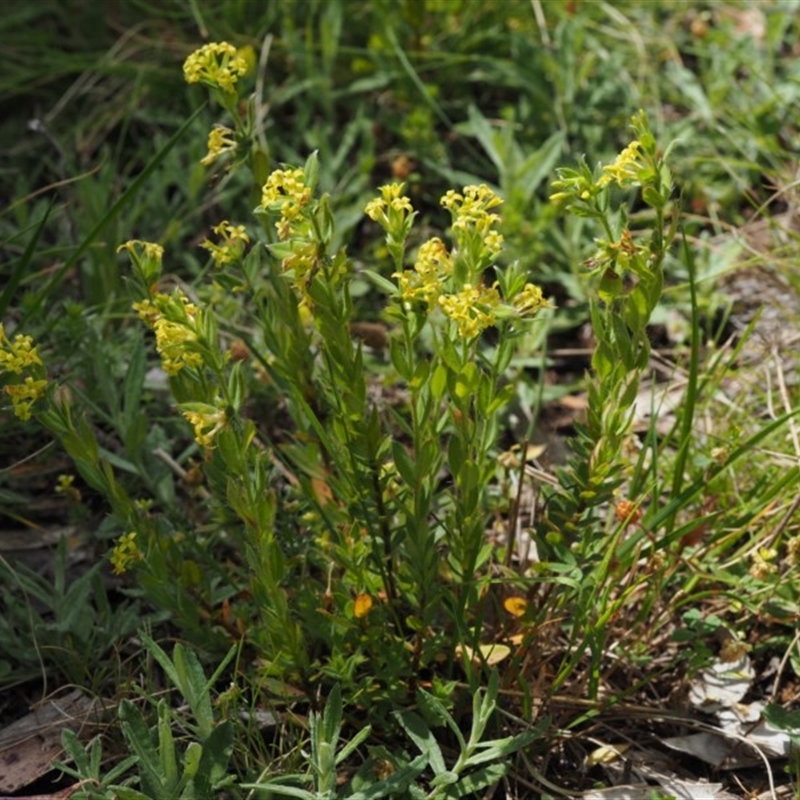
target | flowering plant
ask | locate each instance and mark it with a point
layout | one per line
(360, 523)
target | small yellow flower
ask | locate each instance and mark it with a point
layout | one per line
(625, 169)
(391, 210)
(125, 552)
(18, 355)
(207, 421)
(286, 192)
(147, 249)
(175, 322)
(471, 309)
(65, 487)
(432, 267)
(493, 241)
(392, 195)
(234, 240)
(221, 140)
(433, 260)
(146, 258)
(470, 210)
(24, 395)
(172, 342)
(376, 209)
(147, 310)
(217, 64)
(530, 300)
(302, 262)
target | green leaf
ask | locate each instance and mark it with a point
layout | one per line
(192, 685)
(212, 770)
(166, 746)
(455, 454)
(404, 464)
(191, 762)
(471, 784)
(423, 738)
(126, 793)
(138, 737)
(21, 267)
(396, 784)
(351, 746)
(281, 789)
(384, 284)
(502, 748)
(400, 359)
(785, 720)
(162, 658)
(538, 166)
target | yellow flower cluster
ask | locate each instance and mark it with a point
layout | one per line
(146, 258)
(625, 169)
(217, 64)
(286, 192)
(175, 322)
(207, 422)
(221, 140)
(136, 247)
(391, 207)
(24, 395)
(530, 300)
(16, 357)
(125, 553)
(470, 212)
(302, 262)
(472, 309)
(435, 280)
(231, 248)
(432, 267)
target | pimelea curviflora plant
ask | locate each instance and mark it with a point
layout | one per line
(364, 522)
(354, 509)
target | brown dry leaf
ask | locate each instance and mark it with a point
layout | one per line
(749, 21)
(492, 654)
(29, 745)
(322, 491)
(574, 402)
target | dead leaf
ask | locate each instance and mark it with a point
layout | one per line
(29, 745)
(491, 654)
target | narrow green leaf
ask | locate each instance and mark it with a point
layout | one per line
(280, 789)
(351, 746)
(138, 737)
(129, 194)
(20, 268)
(423, 738)
(471, 784)
(396, 784)
(166, 746)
